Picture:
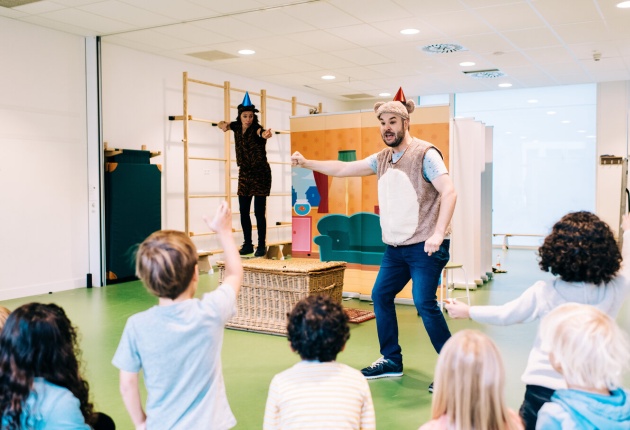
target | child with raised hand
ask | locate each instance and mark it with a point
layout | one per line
(469, 386)
(319, 392)
(41, 386)
(582, 252)
(591, 352)
(178, 343)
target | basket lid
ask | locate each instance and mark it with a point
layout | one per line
(294, 265)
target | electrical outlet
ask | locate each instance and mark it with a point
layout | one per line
(206, 172)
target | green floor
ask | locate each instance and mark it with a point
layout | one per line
(250, 360)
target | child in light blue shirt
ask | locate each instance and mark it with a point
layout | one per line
(177, 344)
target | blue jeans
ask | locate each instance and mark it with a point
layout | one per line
(400, 264)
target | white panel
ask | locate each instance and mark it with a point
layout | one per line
(468, 160)
(43, 176)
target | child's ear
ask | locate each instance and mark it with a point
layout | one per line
(556, 366)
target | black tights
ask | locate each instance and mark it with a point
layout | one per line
(260, 207)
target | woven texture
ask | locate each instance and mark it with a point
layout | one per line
(271, 288)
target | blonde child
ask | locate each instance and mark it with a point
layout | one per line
(469, 386)
(177, 343)
(591, 352)
(582, 252)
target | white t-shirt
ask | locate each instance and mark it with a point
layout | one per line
(316, 395)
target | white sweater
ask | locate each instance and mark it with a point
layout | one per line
(544, 296)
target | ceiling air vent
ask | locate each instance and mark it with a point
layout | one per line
(15, 3)
(485, 74)
(212, 55)
(358, 96)
(443, 48)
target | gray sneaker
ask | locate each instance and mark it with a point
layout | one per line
(382, 368)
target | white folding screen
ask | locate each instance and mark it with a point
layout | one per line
(471, 169)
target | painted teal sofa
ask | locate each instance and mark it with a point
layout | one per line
(354, 239)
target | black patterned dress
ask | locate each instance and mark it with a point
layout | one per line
(254, 173)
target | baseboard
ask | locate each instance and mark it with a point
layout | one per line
(36, 290)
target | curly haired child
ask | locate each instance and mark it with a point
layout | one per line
(582, 252)
(338, 396)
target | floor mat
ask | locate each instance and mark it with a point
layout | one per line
(358, 315)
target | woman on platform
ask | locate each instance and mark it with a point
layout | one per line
(254, 173)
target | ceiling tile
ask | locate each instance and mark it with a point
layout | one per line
(557, 12)
(193, 34)
(180, 10)
(322, 15)
(232, 27)
(532, 38)
(455, 24)
(371, 11)
(284, 45)
(521, 16)
(486, 43)
(274, 21)
(122, 12)
(362, 35)
(556, 54)
(361, 56)
(99, 24)
(292, 65)
(424, 8)
(593, 31)
(58, 25)
(322, 40)
(39, 7)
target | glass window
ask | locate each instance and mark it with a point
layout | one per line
(544, 155)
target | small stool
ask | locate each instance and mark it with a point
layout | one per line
(445, 275)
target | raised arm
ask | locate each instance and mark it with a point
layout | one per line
(333, 167)
(221, 224)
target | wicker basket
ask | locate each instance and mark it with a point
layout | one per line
(272, 287)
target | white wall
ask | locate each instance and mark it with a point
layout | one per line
(43, 172)
(141, 90)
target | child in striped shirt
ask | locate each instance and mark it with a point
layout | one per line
(318, 392)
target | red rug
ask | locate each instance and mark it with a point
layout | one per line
(358, 315)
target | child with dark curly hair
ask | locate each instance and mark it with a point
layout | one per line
(319, 392)
(41, 386)
(583, 254)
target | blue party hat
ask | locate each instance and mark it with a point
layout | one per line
(246, 100)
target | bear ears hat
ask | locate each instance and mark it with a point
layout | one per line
(246, 105)
(399, 106)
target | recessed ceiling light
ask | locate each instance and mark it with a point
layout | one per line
(623, 5)
(551, 112)
(410, 31)
(384, 94)
(505, 85)
(566, 121)
(328, 77)
(246, 52)
(508, 132)
(523, 137)
(581, 131)
(532, 101)
(466, 63)
(590, 136)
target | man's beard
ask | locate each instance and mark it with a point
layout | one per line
(399, 138)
